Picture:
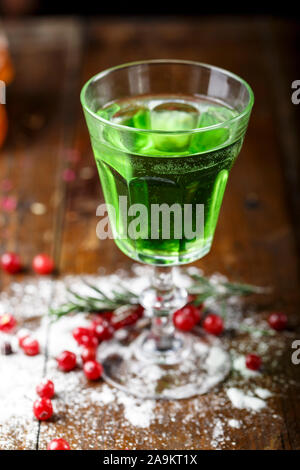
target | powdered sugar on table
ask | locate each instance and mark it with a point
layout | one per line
(96, 416)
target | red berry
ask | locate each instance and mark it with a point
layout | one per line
(7, 323)
(43, 409)
(11, 263)
(43, 264)
(30, 346)
(99, 319)
(80, 332)
(88, 354)
(89, 341)
(93, 370)
(213, 324)
(277, 321)
(45, 389)
(68, 175)
(107, 316)
(58, 444)
(186, 318)
(104, 331)
(66, 361)
(21, 340)
(196, 311)
(253, 361)
(22, 335)
(126, 316)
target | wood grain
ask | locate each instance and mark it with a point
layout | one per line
(257, 238)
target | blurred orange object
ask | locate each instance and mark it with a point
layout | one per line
(6, 68)
(3, 124)
(6, 76)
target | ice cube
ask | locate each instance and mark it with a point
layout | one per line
(109, 112)
(210, 139)
(133, 116)
(173, 116)
(130, 116)
(214, 115)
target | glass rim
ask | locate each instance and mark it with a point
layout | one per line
(246, 110)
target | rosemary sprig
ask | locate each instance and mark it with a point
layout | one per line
(254, 330)
(100, 303)
(202, 288)
(205, 288)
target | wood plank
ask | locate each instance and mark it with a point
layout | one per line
(255, 241)
(261, 251)
(34, 155)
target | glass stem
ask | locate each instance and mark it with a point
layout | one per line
(162, 328)
(161, 344)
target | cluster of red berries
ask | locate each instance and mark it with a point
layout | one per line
(41, 263)
(43, 410)
(189, 316)
(67, 361)
(29, 345)
(42, 407)
(101, 328)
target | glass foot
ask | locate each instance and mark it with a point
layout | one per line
(203, 364)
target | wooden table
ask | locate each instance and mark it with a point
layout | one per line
(258, 235)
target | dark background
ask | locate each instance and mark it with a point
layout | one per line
(125, 8)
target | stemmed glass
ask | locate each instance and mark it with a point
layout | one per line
(165, 134)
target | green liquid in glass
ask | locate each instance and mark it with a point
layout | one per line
(153, 168)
